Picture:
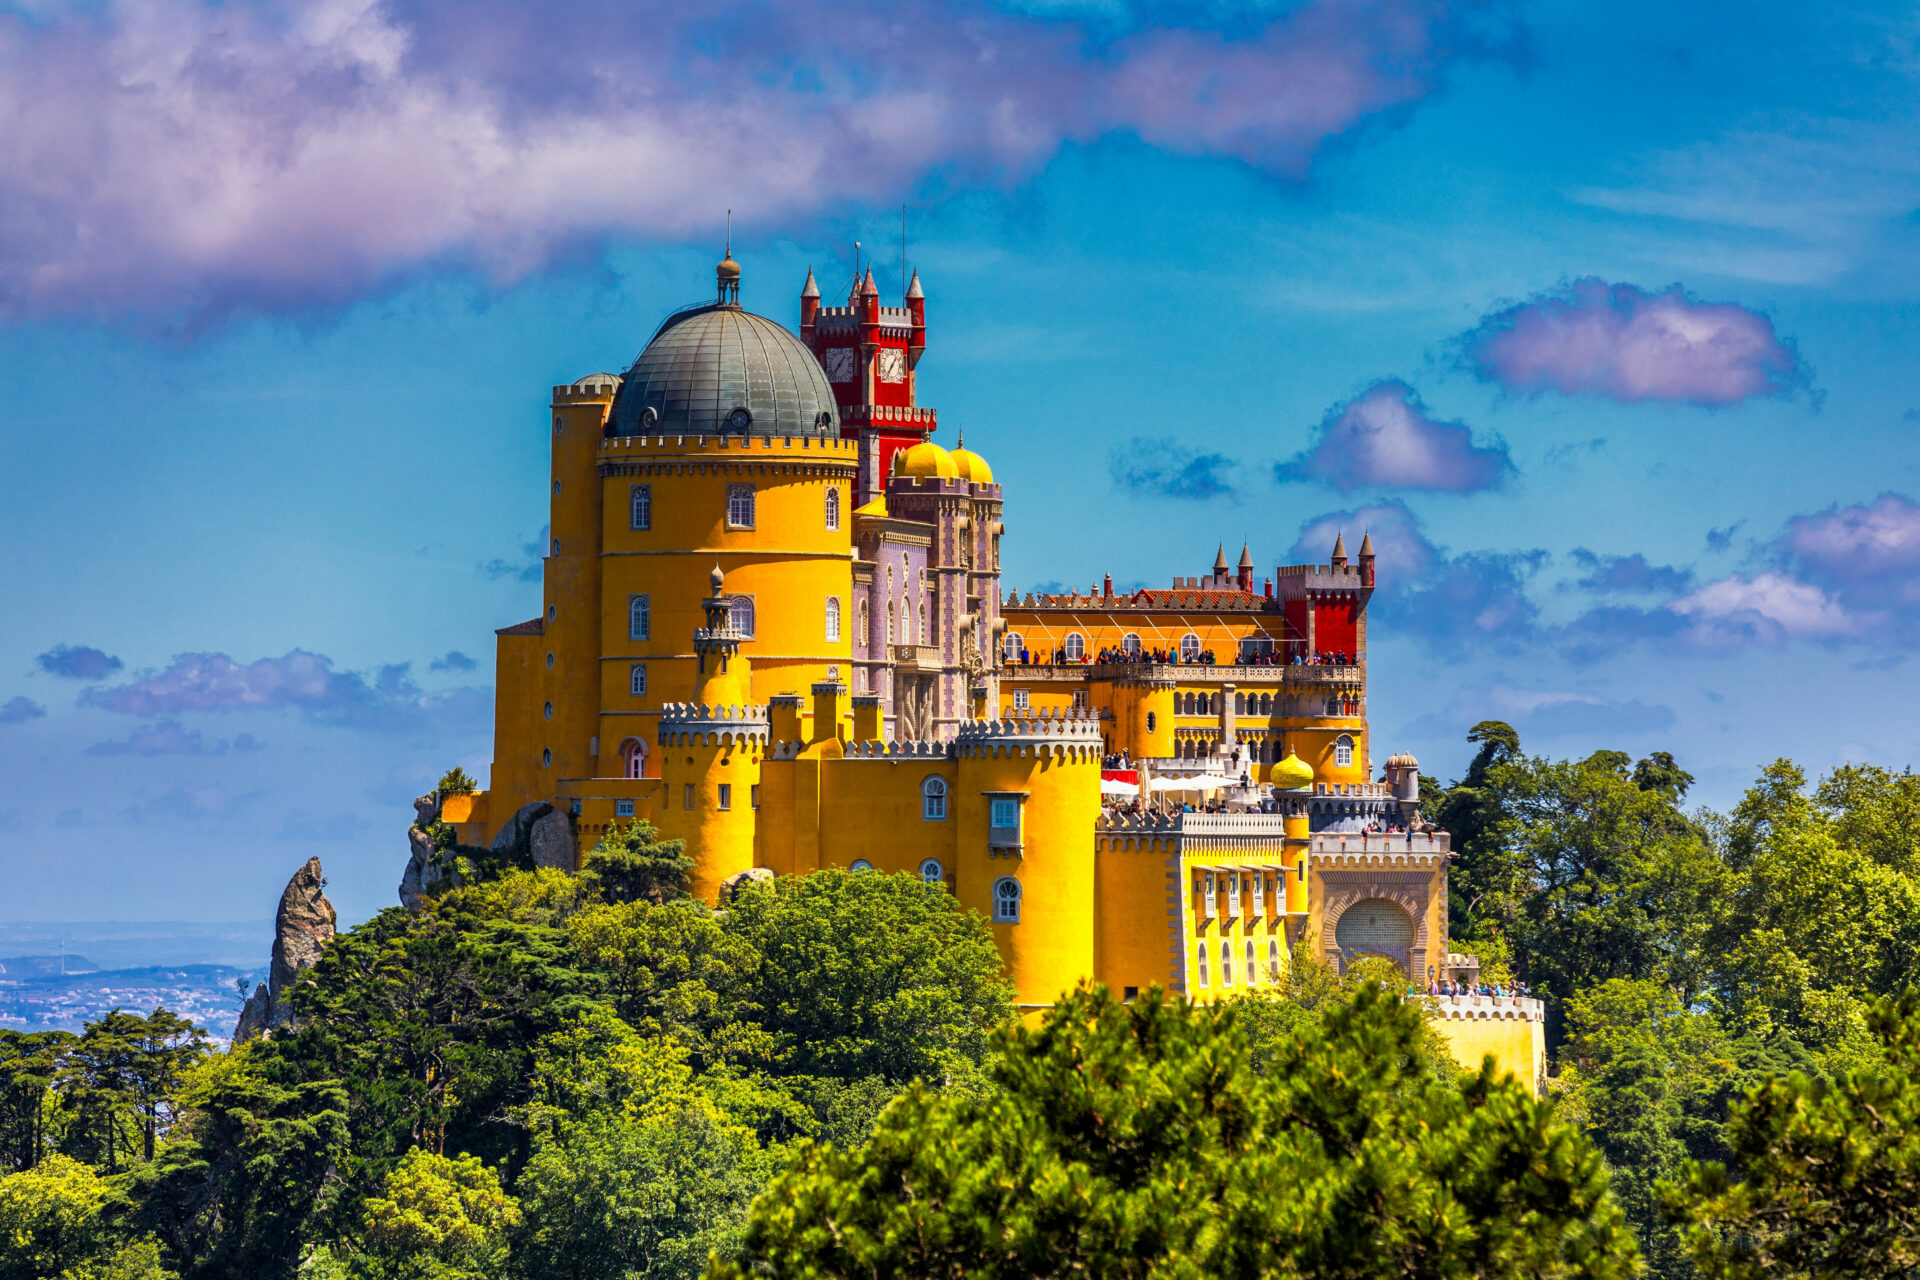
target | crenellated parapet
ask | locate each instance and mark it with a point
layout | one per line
(877, 750)
(1480, 1008)
(697, 724)
(1074, 734)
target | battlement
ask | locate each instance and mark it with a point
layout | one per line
(1471, 1008)
(697, 724)
(1319, 577)
(847, 450)
(595, 388)
(883, 415)
(918, 750)
(1070, 732)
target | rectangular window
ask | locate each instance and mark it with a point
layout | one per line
(1003, 822)
(1233, 894)
(726, 795)
(642, 497)
(1019, 699)
(1006, 812)
(1079, 699)
(623, 808)
(1259, 894)
(740, 506)
(1213, 904)
(686, 796)
(637, 680)
(753, 795)
(639, 617)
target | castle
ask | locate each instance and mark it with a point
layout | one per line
(773, 626)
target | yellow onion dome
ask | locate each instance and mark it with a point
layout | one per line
(929, 461)
(1292, 774)
(972, 466)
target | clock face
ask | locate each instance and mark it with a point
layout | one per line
(893, 365)
(838, 362)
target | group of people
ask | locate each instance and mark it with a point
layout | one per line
(1377, 828)
(1453, 987)
(1329, 658)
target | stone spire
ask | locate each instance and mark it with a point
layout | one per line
(913, 289)
(812, 288)
(1339, 551)
(1220, 562)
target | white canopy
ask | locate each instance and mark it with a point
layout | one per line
(1115, 787)
(1195, 782)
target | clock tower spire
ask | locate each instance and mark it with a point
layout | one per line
(870, 354)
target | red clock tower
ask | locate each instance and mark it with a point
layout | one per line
(870, 353)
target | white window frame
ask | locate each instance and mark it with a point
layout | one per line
(1010, 645)
(1212, 895)
(741, 500)
(734, 606)
(637, 680)
(833, 618)
(640, 506)
(633, 761)
(1075, 646)
(1006, 906)
(1130, 644)
(1259, 895)
(931, 872)
(1190, 647)
(833, 506)
(639, 617)
(1226, 962)
(1079, 699)
(933, 799)
(1343, 751)
(1021, 700)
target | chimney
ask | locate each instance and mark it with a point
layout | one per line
(826, 710)
(1109, 584)
(783, 717)
(866, 718)
(1269, 588)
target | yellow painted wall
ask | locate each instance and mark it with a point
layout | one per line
(1518, 1046)
(1136, 898)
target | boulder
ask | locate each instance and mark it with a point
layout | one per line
(425, 875)
(733, 884)
(254, 1015)
(539, 835)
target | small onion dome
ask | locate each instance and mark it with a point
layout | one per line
(1292, 774)
(972, 466)
(717, 578)
(929, 461)
(1402, 761)
(728, 268)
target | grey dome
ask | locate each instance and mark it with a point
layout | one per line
(705, 363)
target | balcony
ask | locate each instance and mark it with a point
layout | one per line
(1330, 843)
(1190, 673)
(916, 657)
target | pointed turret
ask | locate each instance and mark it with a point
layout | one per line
(867, 288)
(809, 305)
(1339, 560)
(1244, 579)
(1366, 558)
(913, 287)
(1220, 562)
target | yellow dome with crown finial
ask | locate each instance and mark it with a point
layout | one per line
(1292, 774)
(928, 461)
(970, 464)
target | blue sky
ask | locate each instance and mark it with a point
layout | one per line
(1602, 319)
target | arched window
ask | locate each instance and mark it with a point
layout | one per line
(639, 618)
(1333, 706)
(932, 872)
(1206, 705)
(1010, 645)
(740, 506)
(1152, 720)
(1273, 959)
(1239, 704)
(833, 617)
(933, 799)
(1253, 974)
(1189, 647)
(833, 507)
(865, 633)
(1226, 963)
(860, 864)
(1130, 645)
(1343, 752)
(1202, 950)
(1006, 900)
(890, 631)
(740, 615)
(1266, 704)
(633, 758)
(1076, 646)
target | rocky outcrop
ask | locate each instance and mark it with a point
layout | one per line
(537, 836)
(302, 928)
(427, 871)
(730, 887)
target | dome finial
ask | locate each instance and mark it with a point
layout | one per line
(728, 272)
(717, 578)
(960, 439)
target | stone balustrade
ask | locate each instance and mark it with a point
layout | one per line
(1467, 1008)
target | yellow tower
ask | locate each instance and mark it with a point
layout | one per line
(1032, 785)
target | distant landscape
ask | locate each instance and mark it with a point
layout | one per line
(56, 976)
